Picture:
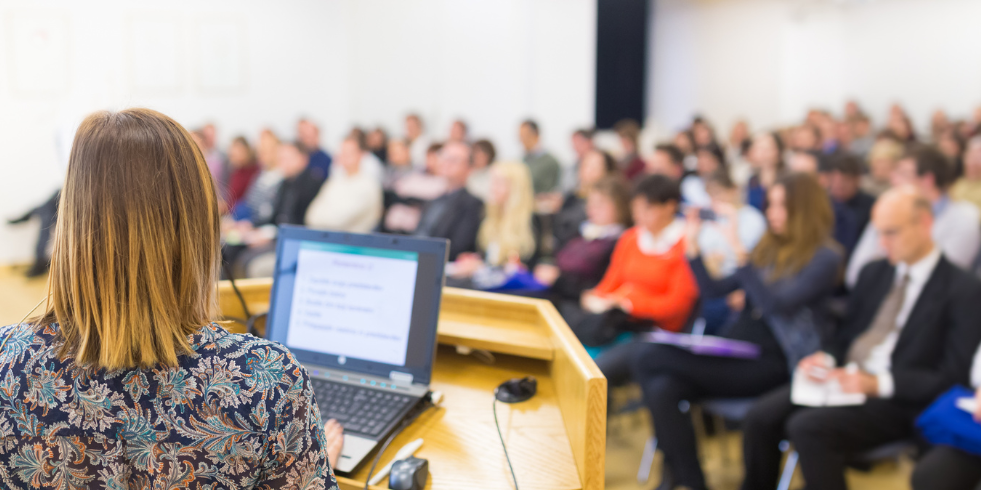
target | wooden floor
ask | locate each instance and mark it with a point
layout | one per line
(627, 433)
(721, 460)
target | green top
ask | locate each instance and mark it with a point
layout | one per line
(545, 172)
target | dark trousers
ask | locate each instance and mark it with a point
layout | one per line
(946, 468)
(669, 375)
(823, 437)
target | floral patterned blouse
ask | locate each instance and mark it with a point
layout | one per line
(238, 413)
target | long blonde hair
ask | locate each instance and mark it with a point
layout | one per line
(509, 224)
(136, 253)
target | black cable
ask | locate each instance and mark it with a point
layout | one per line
(503, 445)
(426, 403)
(231, 279)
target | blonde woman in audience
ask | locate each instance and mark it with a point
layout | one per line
(506, 238)
(882, 160)
(351, 200)
(968, 187)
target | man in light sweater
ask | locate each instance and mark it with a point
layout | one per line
(955, 225)
(351, 200)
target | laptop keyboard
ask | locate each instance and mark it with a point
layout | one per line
(358, 409)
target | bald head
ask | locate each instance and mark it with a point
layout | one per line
(903, 217)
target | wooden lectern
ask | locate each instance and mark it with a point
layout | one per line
(556, 440)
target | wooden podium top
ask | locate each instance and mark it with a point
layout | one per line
(556, 440)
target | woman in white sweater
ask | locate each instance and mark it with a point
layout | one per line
(351, 199)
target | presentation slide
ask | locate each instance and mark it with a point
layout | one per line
(353, 301)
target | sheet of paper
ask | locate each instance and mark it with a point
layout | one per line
(969, 405)
(808, 393)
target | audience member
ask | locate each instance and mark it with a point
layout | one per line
(257, 204)
(668, 160)
(377, 141)
(545, 169)
(455, 215)
(47, 214)
(955, 227)
(908, 335)
(581, 262)
(459, 132)
(217, 163)
(484, 155)
(862, 137)
(948, 468)
(399, 163)
(506, 238)
(241, 160)
(648, 283)
(968, 187)
(411, 192)
(766, 158)
(737, 152)
(630, 162)
(898, 125)
(351, 199)
(710, 160)
(719, 256)
(882, 159)
(308, 135)
(844, 187)
(788, 279)
(418, 141)
(952, 146)
(594, 166)
(685, 142)
(846, 223)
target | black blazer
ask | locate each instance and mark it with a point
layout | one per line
(294, 197)
(459, 222)
(938, 341)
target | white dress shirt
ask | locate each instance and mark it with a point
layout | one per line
(976, 370)
(879, 362)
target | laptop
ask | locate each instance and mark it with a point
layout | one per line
(360, 313)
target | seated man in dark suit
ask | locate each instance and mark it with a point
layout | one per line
(299, 187)
(457, 214)
(908, 335)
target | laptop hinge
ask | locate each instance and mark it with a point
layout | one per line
(398, 384)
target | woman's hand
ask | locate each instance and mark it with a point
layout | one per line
(693, 226)
(335, 441)
(977, 410)
(466, 265)
(547, 274)
(593, 303)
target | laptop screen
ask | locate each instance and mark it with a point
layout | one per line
(362, 303)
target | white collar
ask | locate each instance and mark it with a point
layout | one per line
(920, 271)
(589, 231)
(662, 243)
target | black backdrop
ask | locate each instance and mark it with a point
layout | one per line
(621, 60)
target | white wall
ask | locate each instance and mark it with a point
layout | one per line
(771, 60)
(340, 62)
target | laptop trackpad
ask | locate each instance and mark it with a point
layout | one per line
(355, 449)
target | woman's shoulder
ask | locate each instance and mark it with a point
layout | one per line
(215, 340)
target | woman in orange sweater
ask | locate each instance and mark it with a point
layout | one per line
(649, 283)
